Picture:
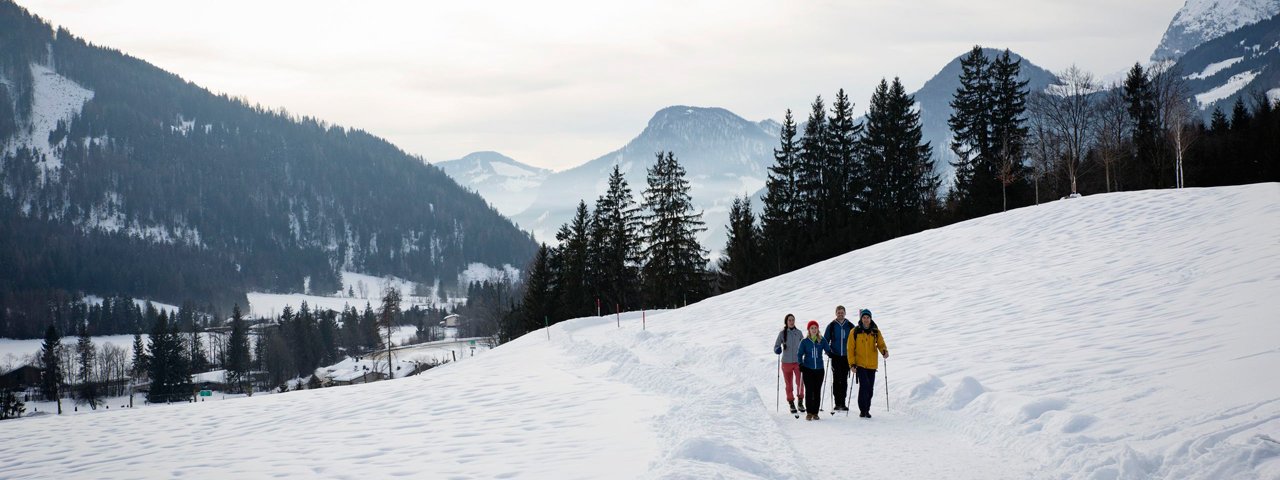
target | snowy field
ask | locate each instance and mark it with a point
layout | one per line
(1128, 335)
(367, 289)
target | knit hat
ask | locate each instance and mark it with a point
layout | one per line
(812, 323)
(864, 312)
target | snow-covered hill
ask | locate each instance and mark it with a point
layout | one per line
(507, 184)
(1199, 21)
(1127, 335)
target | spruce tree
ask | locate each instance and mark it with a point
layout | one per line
(971, 133)
(238, 366)
(85, 350)
(140, 363)
(899, 163)
(740, 265)
(675, 263)
(778, 227)
(843, 180)
(51, 378)
(1140, 95)
(575, 291)
(538, 306)
(614, 248)
(809, 169)
(1008, 128)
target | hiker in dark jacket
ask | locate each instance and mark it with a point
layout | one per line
(865, 342)
(837, 336)
(810, 359)
(788, 345)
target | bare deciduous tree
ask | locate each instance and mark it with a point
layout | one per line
(1069, 112)
(1111, 132)
(1176, 113)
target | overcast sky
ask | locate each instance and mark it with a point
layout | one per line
(558, 83)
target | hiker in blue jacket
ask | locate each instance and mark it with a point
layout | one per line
(837, 337)
(810, 358)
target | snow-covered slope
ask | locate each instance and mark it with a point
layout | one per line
(1127, 335)
(55, 100)
(507, 184)
(1199, 21)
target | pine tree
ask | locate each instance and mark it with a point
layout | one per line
(388, 316)
(809, 169)
(740, 265)
(51, 378)
(88, 389)
(238, 366)
(1008, 127)
(899, 163)
(779, 235)
(614, 248)
(843, 180)
(169, 370)
(140, 364)
(971, 134)
(575, 291)
(538, 306)
(675, 263)
(1140, 94)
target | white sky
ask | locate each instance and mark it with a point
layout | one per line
(556, 83)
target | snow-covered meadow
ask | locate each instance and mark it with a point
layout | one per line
(1128, 335)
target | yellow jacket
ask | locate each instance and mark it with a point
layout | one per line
(863, 344)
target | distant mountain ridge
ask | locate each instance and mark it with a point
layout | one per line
(724, 155)
(1199, 21)
(1240, 63)
(501, 180)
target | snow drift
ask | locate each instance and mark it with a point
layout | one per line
(1127, 335)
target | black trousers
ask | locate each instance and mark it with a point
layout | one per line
(839, 378)
(866, 381)
(812, 389)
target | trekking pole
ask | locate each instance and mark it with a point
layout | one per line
(822, 388)
(777, 387)
(886, 384)
(848, 397)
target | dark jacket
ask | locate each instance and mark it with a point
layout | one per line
(837, 336)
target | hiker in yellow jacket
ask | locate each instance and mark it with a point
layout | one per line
(864, 342)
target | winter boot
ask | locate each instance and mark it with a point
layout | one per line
(792, 404)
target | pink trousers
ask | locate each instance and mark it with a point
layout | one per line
(791, 372)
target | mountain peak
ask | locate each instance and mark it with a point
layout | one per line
(1199, 21)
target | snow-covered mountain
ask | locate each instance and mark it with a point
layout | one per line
(502, 181)
(1199, 21)
(1242, 62)
(1126, 335)
(724, 156)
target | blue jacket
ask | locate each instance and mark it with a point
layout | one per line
(838, 338)
(810, 353)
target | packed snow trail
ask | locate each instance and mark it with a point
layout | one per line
(1128, 335)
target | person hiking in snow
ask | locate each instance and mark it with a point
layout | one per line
(837, 335)
(809, 356)
(863, 345)
(788, 345)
